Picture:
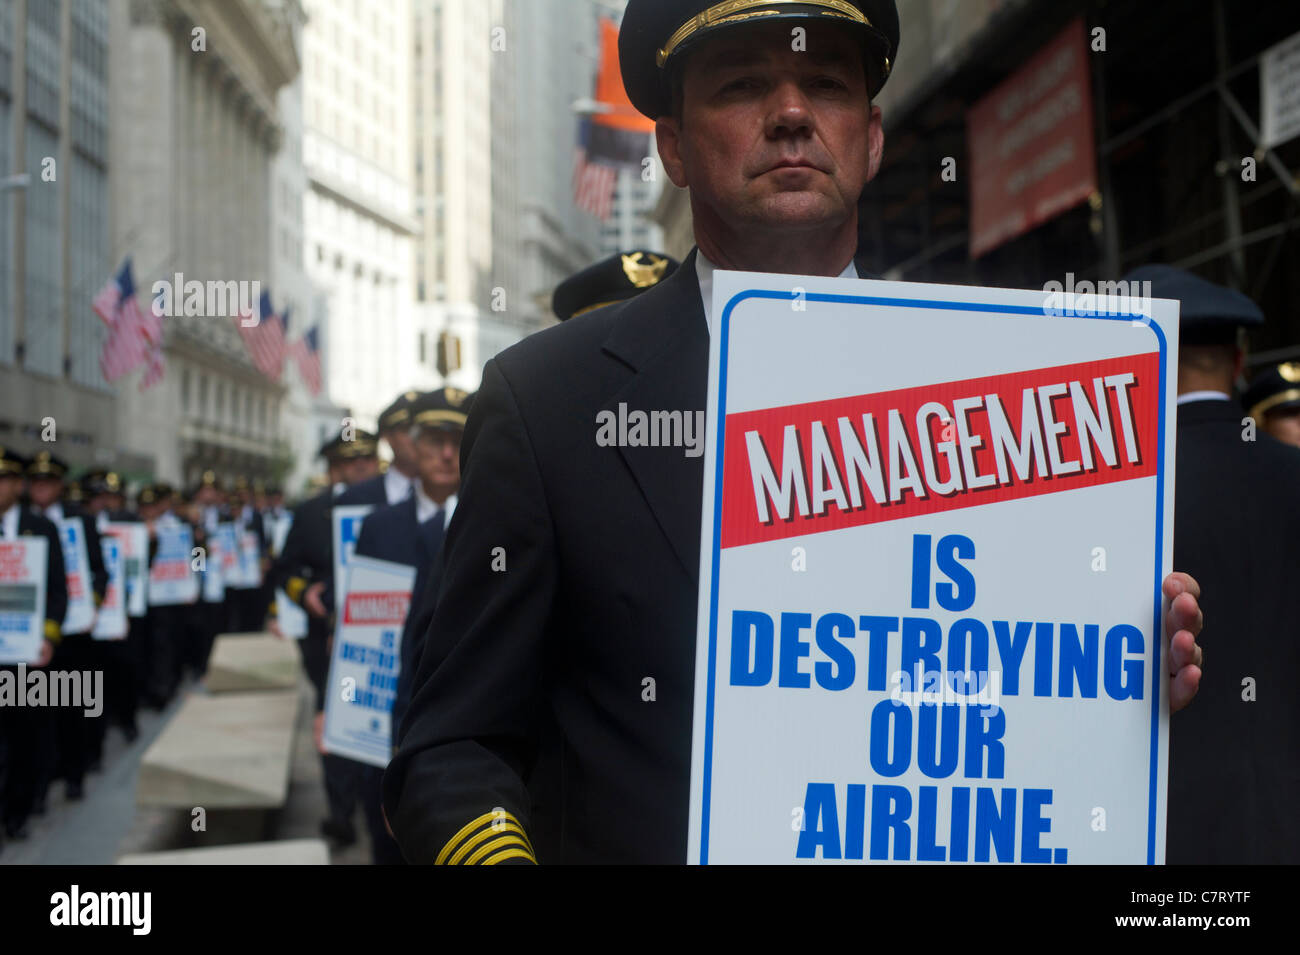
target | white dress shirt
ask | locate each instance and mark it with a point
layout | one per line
(1203, 396)
(426, 507)
(11, 523)
(396, 485)
(704, 271)
(54, 512)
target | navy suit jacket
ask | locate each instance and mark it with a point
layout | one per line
(369, 491)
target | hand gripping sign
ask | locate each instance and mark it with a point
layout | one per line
(936, 522)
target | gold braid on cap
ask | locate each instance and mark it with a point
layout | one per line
(733, 11)
(1272, 401)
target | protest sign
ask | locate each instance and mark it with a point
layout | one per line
(366, 659)
(936, 523)
(226, 541)
(110, 623)
(22, 598)
(172, 581)
(250, 561)
(80, 616)
(134, 540)
(346, 528)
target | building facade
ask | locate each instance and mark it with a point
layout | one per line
(55, 243)
(196, 129)
(359, 212)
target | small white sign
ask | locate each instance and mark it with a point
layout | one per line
(366, 660)
(23, 564)
(80, 617)
(111, 623)
(172, 580)
(134, 539)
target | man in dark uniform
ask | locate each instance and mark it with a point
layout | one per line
(1234, 757)
(393, 484)
(268, 500)
(571, 569)
(79, 738)
(410, 532)
(101, 490)
(171, 627)
(21, 737)
(247, 613)
(615, 279)
(305, 570)
(206, 511)
(1273, 400)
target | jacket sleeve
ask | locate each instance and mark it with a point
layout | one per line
(288, 570)
(423, 599)
(95, 555)
(56, 583)
(455, 791)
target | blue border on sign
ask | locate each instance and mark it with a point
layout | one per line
(1039, 311)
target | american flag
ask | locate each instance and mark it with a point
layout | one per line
(130, 334)
(265, 339)
(593, 185)
(306, 352)
(154, 370)
(593, 182)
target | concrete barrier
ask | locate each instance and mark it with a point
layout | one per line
(252, 661)
(287, 852)
(224, 751)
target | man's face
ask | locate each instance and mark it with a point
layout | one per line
(403, 450)
(437, 456)
(1284, 425)
(359, 469)
(771, 137)
(11, 488)
(44, 491)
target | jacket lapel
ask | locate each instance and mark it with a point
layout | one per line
(662, 337)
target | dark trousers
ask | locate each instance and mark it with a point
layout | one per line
(383, 846)
(342, 786)
(78, 735)
(342, 776)
(168, 630)
(205, 622)
(121, 695)
(21, 737)
(247, 610)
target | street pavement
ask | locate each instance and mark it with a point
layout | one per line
(107, 824)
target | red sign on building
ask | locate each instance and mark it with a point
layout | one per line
(1032, 154)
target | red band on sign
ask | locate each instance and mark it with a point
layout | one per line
(805, 469)
(376, 609)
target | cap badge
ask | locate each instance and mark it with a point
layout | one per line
(644, 274)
